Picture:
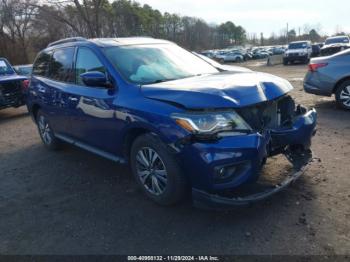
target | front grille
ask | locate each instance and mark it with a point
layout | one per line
(269, 115)
(293, 54)
(10, 93)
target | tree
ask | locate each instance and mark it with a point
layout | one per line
(30, 25)
(314, 36)
(292, 34)
(16, 24)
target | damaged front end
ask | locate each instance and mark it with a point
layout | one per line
(228, 164)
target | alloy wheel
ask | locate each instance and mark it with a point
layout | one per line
(345, 96)
(151, 170)
(44, 130)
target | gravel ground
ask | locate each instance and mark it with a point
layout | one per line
(73, 202)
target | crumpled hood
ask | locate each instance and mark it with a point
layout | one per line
(222, 90)
(9, 78)
(336, 45)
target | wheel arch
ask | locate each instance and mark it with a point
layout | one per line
(34, 110)
(135, 130)
(341, 81)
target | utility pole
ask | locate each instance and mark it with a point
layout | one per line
(287, 34)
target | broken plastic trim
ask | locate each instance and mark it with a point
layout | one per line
(300, 162)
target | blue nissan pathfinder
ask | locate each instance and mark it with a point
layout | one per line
(181, 123)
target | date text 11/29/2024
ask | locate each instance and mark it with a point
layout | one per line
(173, 258)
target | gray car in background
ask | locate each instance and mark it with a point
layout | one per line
(330, 75)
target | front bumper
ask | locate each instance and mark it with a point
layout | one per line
(13, 102)
(205, 200)
(311, 89)
(246, 154)
(291, 58)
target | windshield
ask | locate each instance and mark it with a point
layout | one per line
(144, 64)
(337, 40)
(297, 45)
(209, 60)
(5, 68)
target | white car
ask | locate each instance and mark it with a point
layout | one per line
(298, 51)
(230, 68)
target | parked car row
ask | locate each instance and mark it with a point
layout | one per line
(298, 51)
(242, 54)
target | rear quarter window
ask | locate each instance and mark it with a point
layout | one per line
(61, 65)
(41, 64)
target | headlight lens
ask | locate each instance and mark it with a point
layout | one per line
(211, 123)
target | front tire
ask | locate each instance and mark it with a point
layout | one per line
(156, 170)
(46, 133)
(342, 95)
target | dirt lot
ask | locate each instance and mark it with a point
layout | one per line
(72, 202)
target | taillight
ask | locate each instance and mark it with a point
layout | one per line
(314, 67)
(25, 84)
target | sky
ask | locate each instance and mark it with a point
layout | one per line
(266, 16)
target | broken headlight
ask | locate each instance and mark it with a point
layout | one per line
(212, 123)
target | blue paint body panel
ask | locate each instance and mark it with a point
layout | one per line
(102, 118)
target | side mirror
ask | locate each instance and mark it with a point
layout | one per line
(94, 79)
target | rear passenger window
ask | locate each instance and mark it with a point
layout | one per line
(87, 61)
(41, 65)
(61, 66)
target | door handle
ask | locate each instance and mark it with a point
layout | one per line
(72, 99)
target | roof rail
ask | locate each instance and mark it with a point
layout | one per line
(67, 40)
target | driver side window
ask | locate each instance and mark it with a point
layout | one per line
(87, 61)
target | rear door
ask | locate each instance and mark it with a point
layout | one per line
(57, 85)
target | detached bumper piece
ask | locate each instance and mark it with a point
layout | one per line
(300, 162)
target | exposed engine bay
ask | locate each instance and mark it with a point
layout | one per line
(272, 115)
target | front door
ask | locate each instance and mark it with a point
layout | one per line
(94, 121)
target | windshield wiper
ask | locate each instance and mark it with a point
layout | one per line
(170, 79)
(162, 80)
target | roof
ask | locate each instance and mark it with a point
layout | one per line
(104, 42)
(127, 41)
(304, 41)
(339, 36)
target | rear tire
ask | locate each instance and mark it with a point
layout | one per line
(342, 95)
(46, 133)
(151, 160)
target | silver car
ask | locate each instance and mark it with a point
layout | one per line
(230, 57)
(330, 75)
